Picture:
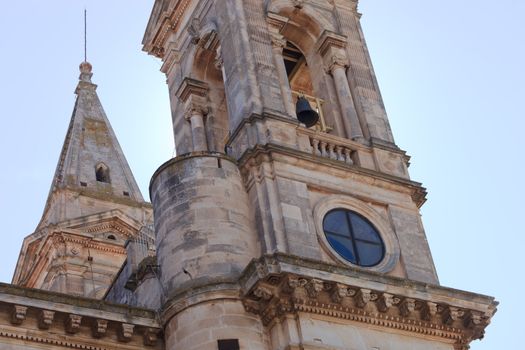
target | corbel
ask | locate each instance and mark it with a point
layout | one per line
(45, 319)
(18, 314)
(125, 332)
(99, 328)
(73, 323)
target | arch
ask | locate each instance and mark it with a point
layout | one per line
(102, 173)
(205, 66)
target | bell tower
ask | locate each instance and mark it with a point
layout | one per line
(288, 219)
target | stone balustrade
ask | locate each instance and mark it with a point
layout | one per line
(332, 147)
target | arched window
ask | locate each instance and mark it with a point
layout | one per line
(300, 81)
(102, 173)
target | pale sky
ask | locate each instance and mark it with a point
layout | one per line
(451, 75)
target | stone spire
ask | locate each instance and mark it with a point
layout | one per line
(91, 162)
(93, 209)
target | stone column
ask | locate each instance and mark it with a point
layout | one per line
(275, 24)
(193, 94)
(331, 47)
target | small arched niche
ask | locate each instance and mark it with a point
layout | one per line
(102, 173)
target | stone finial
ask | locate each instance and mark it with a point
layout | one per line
(86, 72)
(45, 319)
(73, 323)
(19, 314)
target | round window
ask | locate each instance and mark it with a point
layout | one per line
(353, 237)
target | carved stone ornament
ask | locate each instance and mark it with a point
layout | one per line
(339, 292)
(194, 30)
(19, 314)
(363, 297)
(99, 328)
(125, 332)
(429, 311)
(407, 306)
(263, 292)
(451, 314)
(335, 62)
(423, 312)
(151, 336)
(385, 302)
(73, 323)
(313, 287)
(45, 319)
(298, 4)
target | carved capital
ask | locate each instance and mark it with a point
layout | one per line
(278, 41)
(18, 314)
(218, 61)
(263, 292)
(45, 319)
(313, 287)
(407, 306)
(195, 105)
(336, 61)
(125, 332)
(73, 323)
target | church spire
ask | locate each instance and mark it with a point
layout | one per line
(91, 162)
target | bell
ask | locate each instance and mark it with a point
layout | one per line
(305, 113)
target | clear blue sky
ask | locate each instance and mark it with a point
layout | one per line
(451, 74)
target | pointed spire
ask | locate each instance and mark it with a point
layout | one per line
(91, 162)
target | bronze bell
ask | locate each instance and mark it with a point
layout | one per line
(305, 113)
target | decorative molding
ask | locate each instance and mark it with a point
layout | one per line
(73, 323)
(125, 332)
(272, 296)
(99, 328)
(45, 319)
(19, 314)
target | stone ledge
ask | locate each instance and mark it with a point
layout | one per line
(275, 285)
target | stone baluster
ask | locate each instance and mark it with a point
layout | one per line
(331, 153)
(193, 94)
(348, 156)
(275, 24)
(323, 149)
(315, 145)
(332, 49)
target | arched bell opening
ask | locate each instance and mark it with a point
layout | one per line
(306, 66)
(301, 85)
(207, 68)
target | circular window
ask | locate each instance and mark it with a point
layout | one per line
(353, 237)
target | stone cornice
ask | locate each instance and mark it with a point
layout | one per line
(32, 312)
(417, 192)
(277, 285)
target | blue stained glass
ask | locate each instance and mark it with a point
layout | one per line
(336, 222)
(353, 237)
(343, 246)
(363, 229)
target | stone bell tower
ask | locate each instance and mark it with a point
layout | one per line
(272, 235)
